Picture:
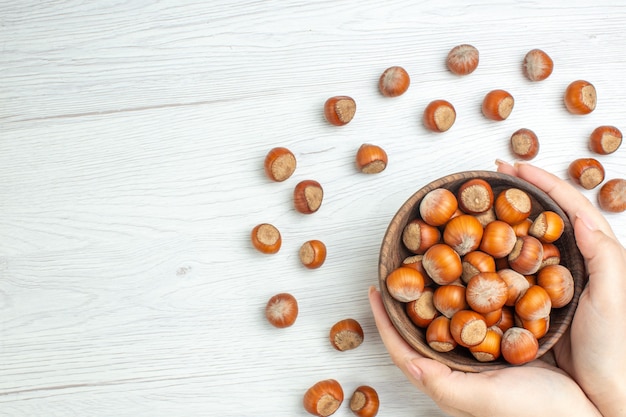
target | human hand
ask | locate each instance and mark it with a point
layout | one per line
(593, 351)
(534, 389)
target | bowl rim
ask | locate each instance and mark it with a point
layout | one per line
(409, 210)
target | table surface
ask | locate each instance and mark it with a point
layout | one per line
(133, 135)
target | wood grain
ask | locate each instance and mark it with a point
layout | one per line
(132, 135)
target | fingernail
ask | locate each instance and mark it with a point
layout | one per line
(500, 162)
(587, 220)
(414, 370)
(371, 290)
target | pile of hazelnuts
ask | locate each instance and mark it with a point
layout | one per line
(484, 275)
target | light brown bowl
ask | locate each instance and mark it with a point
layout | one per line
(393, 252)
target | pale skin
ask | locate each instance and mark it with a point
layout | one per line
(590, 379)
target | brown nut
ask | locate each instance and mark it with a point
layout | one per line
(339, 110)
(462, 59)
(537, 65)
(266, 238)
(312, 253)
(580, 97)
(475, 196)
(605, 140)
(394, 81)
(612, 196)
(524, 144)
(364, 402)
(308, 196)
(346, 334)
(588, 172)
(371, 159)
(498, 105)
(323, 398)
(279, 164)
(281, 310)
(439, 116)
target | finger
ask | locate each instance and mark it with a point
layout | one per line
(564, 194)
(606, 263)
(397, 347)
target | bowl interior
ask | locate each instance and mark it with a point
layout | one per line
(393, 252)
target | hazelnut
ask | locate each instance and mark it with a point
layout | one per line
(266, 238)
(442, 264)
(498, 105)
(547, 227)
(339, 110)
(513, 206)
(418, 236)
(438, 335)
(364, 402)
(462, 59)
(475, 196)
(588, 172)
(279, 164)
(486, 292)
(405, 284)
(312, 254)
(438, 206)
(519, 346)
(534, 304)
(346, 334)
(422, 311)
(448, 299)
(307, 196)
(489, 349)
(281, 310)
(371, 159)
(537, 65)
(580, 97)
(463, 233)
(498, 239)
(468, 328)
(323, 398)
(612, 196)
(439, 116)
(524, 144)
(605, 140)
(558, 282)
(394, 81)
(527, 255)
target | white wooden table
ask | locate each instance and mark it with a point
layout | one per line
(132, 139)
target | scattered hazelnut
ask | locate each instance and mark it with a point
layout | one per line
(588, 172)
(346, 334)
(580, 97)
(439, 116)
(339, 110)
(364, 402)
(312, 254)
(307, 196)
(537, 65)
(498, 105)
(605, 140)
(279, 164)
(323, 398)
(394, 81)
(281, 310)
(612, 196)
(266, 238)
(524, 144)
(462, 59)
(371, 159)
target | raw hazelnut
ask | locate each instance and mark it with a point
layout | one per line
(524, 144)
(462, 59)
(438, 335)
(364, 402)
(468, 328)
(537, 65)
(323, 398)
(346, 334)
(475, 196)
(439, 116)
(498, 239)
(371, 159)
(527, 255)
(558, 282)
(442, 264)
(519, 346)
(279, 164)
(498, 105)
(513, 206)
(489, 349)
(438, 206)
(612, 196)
(405, 284)
(422, 311)
(475, 262)
(580, 97)
(394, 81)
(307, 196)
(281, 310)
(588, 172)
(486, 292)
(534, 304)
(312, 254)
(605, 140)
(448, 299)
(418, 236)
(463, 233)
(266, 238)
(547, 227)
(339, 110)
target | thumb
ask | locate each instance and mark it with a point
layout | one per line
(453, 392)
(605, 259)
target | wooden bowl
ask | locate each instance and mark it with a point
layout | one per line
(393, 252)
